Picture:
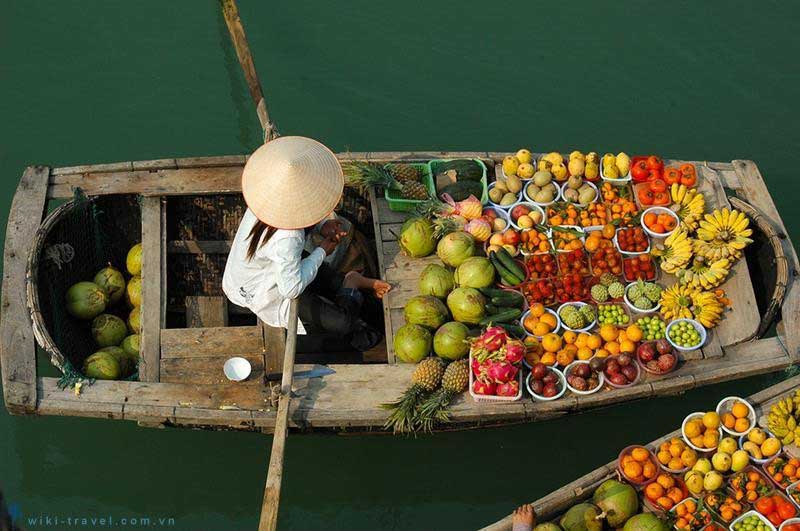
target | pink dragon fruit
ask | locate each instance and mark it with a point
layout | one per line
(483, 387)
(514, 351)
(501, 371)
(478, 368)
(494, 338)
(510, 388)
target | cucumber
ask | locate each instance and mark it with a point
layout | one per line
(492, 292)
(510, 264)
(502, 317)
(506, 276)
(492, 309)
(509, 298)
(514, 330)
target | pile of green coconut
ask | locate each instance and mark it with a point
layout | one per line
(117, 341)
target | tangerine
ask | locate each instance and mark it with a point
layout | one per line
(627, 346)
(666, 481)
(550, 319)
(711, 420)
(582, 339)
(548, 358)
(537, 309)
(739, 411)
(692, 429)
(711, 439)
(634, 333)
(632, 470)
(675, 464)
(551, 342)
(584, 353)
(728, 420)
(564, 357)
(653, 491)
(675, 494)
(612, 347)
(609, 332)
(664, 457)
(741, 424)
(675, 450)
(665, 502)
(649, 470)
(540, 329)
(601, 353)
(570, 337)
(640, 454)
(594, 342)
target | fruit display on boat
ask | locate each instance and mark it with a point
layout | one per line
(399, 178)
(653, 327)
(544, 381)
(615, 166)
(688, 204)
(675, 456)
(541, 265)
(783, 419)
(563, 214)
(576, 317)
(637, 464)
(533, 241)
(619, 203)
(539, 320)
(751, 522)
(576, 191)
(495, 360)
(684, 334)
(614, 314)
(520, 164)
(567, 238)
(454, 248)
(665, 491)
(416, 238)
(510, 272)
(581, 376)
(702, 430)
(701, 273)
(475, 272)
(675, 251)
(412, 343)
(662, 222)
(436, 280)
(619, 371)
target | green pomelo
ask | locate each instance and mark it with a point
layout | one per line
(108, 330)
(126, 363)
(112, 281)
(133, 293)
(450, 341)
(412, 343)
(102, 366)
(618, 500)
(135, 321)
(467, 305)
(475, 272)
(645, 522)
(417, 237)
(86, 300)
(134, 260)
(456, 247)
(426, 310)
(582, 517)
(436, 280)
(131, 346)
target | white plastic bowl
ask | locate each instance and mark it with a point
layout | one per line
(660, 210)
(501, 213)
(534, 208)
(497, 205)
(237, 369)
(743, 439)
(635, 363)
(725, 405)
(577, 330)
(789, 521)
(634, 308)
(556, 197)
(751, 512)
(619, 181)
(561, 379)
(626, 254)
(548, 310)
(690, 416)
(700, 328)
(581, 205)
(600, 378)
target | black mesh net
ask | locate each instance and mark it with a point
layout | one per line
(88, 236)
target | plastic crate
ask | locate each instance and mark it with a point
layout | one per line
(484, 195)
(398, 203)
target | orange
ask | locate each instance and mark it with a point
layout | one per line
(550, 319)
(640, 454)
(675, 464)
(675, 450)
(570, 337)
(601, 353)
(663, 457)
(584, 353)
(649, 470)
(548, 358)
(609, 332)
(634, 333)
(582, 339)
(739, 411)
(594, 341)
(728, 420)
(693, 428)
(537, 309)
(572, 349)
(666, 481)
(689, 457)
(691, 506)
(675, 494)
(541, 328)
(710, 439)
(698, 441)
(564, 357)
(627, 458)
(627, 346)
(633, 470)
(621, 336)
(530, 323)
(551, 342)
(665, 503)
(680, 510)
(742, 424)
(612, 347)
(654, 491)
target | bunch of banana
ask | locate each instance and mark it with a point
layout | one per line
(689, 204)
(681, 301)
(704, 274)
(676, 251)
(723, 234)
(782, 419)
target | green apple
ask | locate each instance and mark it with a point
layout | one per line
(727, 445)
(694, 482)
(721, 461)
(739, 460)
(702, 465)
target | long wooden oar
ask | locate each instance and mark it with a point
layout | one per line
(272, 490)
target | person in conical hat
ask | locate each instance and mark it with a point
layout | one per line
(291, 184)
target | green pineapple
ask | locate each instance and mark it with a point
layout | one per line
(424, 380)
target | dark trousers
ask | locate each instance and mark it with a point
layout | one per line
(325, 306)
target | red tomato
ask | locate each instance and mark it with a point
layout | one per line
(786, 510)
(655, 163)
(765, 505)
(655, 174)
(688, 180)
(775, 518)
(640, 171)
(660, 198)
(658, 185)
(645, 195)
(672, 175)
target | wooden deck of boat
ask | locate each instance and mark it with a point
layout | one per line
(181, 382)
(551, 506)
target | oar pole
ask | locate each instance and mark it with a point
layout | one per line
(239, 39)
(272, 489)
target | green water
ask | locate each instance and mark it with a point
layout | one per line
(86, 82)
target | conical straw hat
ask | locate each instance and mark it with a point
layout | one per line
(292, 182)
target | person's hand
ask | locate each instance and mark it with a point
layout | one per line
(330, 243)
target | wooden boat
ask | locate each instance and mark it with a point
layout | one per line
(551, 507)
(185, 212)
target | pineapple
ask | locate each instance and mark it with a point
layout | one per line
(362, 175)
(413, 190)
(404, 172)
(424, 380)
(434, 409)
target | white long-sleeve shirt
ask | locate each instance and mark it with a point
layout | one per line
(276, 274)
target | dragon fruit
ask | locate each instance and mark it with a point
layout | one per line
(494, 338)
(479, 368)
(469, 208)
(510, 388)
(483, 387)
(480, 229)
(514, 351)
(501, 371)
